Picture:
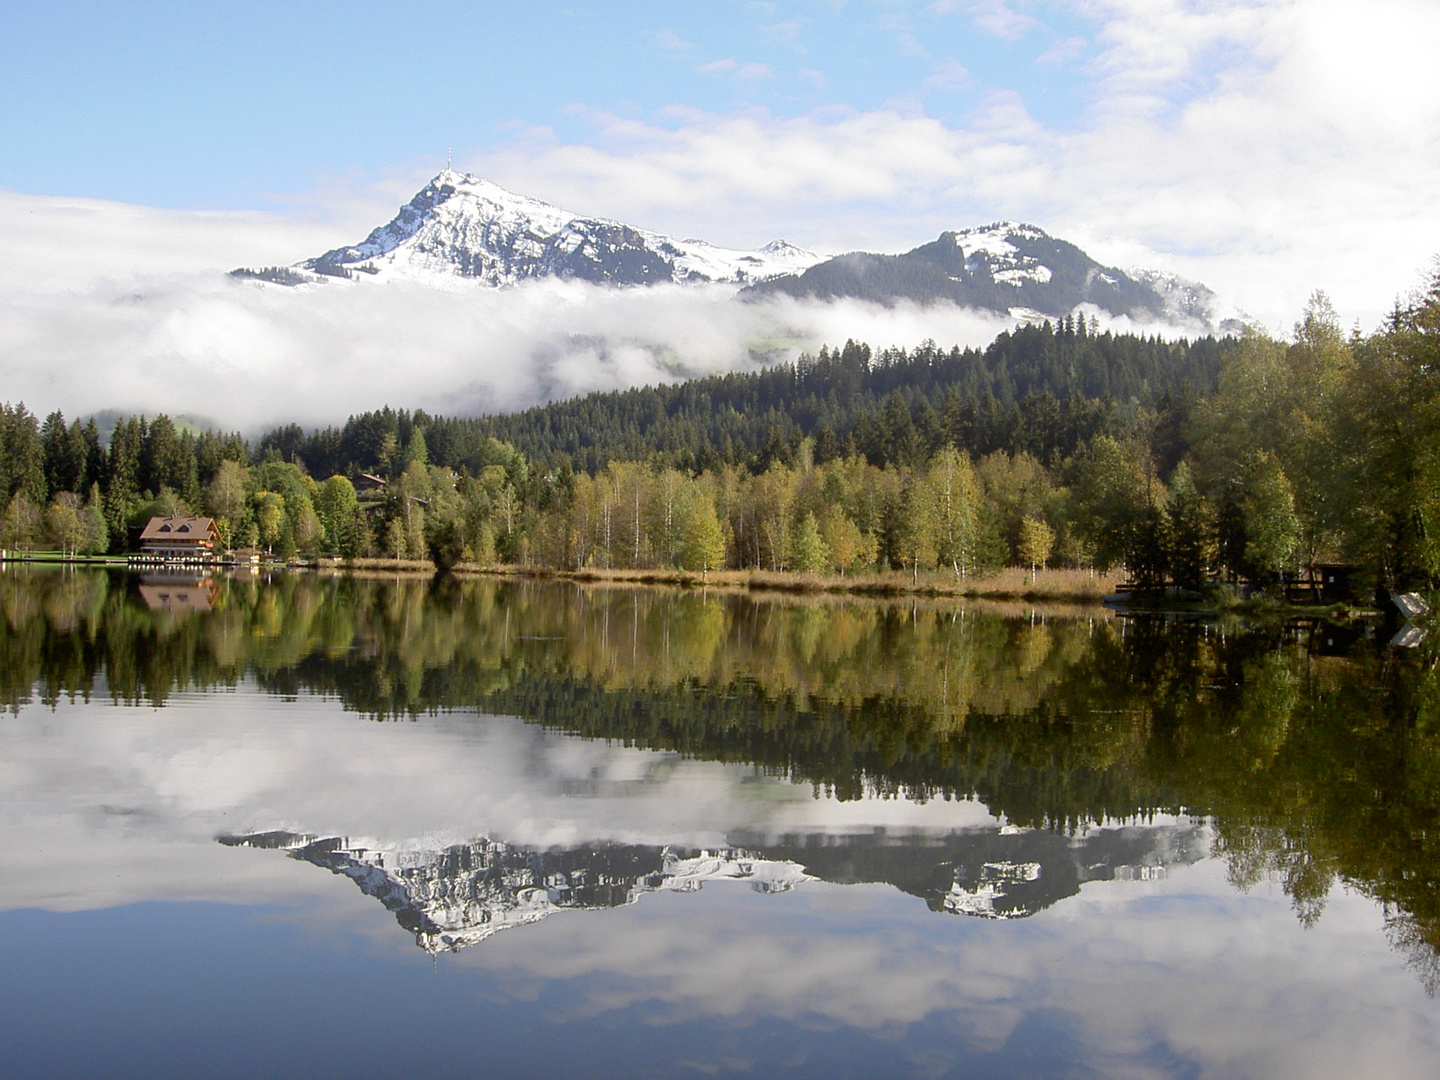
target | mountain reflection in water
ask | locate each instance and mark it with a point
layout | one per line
(1312, 751)
(462, 894)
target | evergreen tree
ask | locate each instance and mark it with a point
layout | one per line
(1193, 531)
(22, 455)
(126, 443)
(160, 464)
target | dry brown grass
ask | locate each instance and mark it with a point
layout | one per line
(393, 566)
(1013, 583)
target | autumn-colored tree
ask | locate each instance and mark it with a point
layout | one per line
(64, 527)
(338, 506)
(1272, 528)
(702, 540)
(1037, 539)
(226, 497)
(269, 510)
(849, 548)
(918, 531)
(955, 490)
(97, 532)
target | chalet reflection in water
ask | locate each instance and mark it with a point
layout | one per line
(180, 594)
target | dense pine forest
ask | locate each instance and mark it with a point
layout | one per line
(1056, 445)
(1043, 390)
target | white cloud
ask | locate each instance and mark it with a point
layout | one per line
(995, 17)
(812, 77)
(1062, 52)
(716, 66)
(730, 66)
(998, 18)
(950, 74)
(669, 41)
(785, 33)
(64, 244)
(118, 804)
(1265, 148)
(1181, 976)
(245, 355)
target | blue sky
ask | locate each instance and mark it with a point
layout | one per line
(227, 104)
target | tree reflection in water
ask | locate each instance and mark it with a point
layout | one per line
(1314, 749)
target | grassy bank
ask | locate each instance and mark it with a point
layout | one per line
(1010, 584)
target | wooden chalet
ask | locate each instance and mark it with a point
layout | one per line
(187, 538)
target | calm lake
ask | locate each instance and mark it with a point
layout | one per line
(337, 827)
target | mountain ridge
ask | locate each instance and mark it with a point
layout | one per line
(1007, 266)
(460, 227)
(452, 896)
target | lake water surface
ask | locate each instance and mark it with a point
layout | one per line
(332, 827)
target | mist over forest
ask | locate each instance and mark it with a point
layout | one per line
(1057, 444)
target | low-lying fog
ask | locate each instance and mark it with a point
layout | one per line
(110, 307)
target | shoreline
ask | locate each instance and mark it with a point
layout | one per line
(1073, 587)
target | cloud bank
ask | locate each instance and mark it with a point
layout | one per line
(248, 356)
(116, 307)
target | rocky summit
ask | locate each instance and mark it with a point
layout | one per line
(463, 227)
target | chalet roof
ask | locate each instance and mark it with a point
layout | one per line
(180, 528)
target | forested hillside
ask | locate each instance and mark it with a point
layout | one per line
(1254, 458)
(1043, 390)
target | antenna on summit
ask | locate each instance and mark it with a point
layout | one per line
(447, 159)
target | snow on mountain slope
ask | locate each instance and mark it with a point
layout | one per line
(463, 227)
(994, 246)
(459, 895)
(1009, 268)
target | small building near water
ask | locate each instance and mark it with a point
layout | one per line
(1336, 581)
(188, 538)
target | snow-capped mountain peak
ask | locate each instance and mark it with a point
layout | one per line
(1007, 267)
(464, 227)
(461, 229)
